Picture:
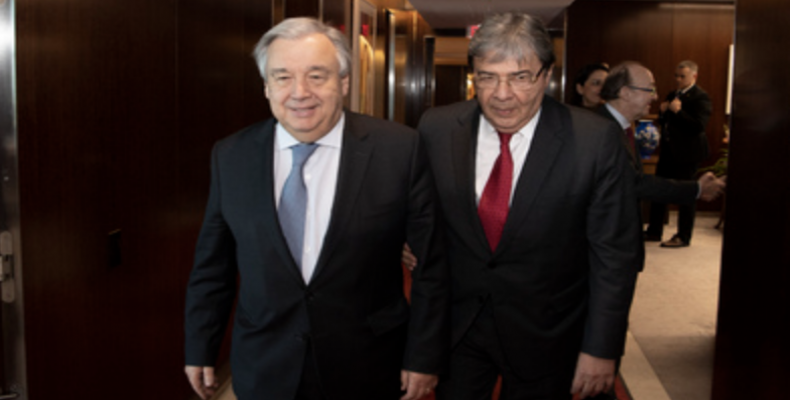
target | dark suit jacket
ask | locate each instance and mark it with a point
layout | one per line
(352, 312)
(562, 277)
(653, 188)
(683, 138)
(650, 187)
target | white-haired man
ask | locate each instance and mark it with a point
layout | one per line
(308, 211)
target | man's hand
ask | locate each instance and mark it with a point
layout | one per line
(593, 376)
(664, 106)
(711, 186)
(202, 379)
(675, 105)
(416, 385)
(407, 257)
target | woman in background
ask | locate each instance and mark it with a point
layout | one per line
(589, 81)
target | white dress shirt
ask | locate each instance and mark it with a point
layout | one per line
(320, 178)
(488, 151)
(623, 121)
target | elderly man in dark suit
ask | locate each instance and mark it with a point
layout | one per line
(684, 145)
(541, 238)
(628, 91)
(309, 212)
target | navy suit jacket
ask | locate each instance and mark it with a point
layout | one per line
(562, 278)
(353, 311)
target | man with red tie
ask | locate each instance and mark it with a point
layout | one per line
(541, 240)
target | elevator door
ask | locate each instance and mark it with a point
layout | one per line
(12, 366)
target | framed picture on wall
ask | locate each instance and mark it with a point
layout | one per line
(363, 83)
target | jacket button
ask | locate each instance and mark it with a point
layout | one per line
(302, 337)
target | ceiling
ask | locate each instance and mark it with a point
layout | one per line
(458, 14)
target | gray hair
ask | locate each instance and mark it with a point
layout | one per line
(691, 65)
(297, 28)
(512, 35)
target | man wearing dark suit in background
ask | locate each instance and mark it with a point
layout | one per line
(629, 90)
(310, 210)
(684, 145)
(541, 238)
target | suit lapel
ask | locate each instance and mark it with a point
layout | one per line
(543, 151)
(635, 161)
(262, 187)
(464, 152)
(354, 160)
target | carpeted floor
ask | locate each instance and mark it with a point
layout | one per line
(673, 317)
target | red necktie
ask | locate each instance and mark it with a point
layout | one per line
(629, 133)
(495, 201)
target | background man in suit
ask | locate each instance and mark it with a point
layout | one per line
(540, 232)
(629, 90)
(684, 145)
(321, 311)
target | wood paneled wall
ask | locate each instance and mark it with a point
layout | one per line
(659, 35)
(752, 347)
(119, 104)
(450, 84)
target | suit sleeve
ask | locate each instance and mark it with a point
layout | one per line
(428, 344)
(613, 235)
(212, 283)
(654, 188)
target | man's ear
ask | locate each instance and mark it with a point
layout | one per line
(623, 94)
(549, 72)
(265, 89)
(344, 81)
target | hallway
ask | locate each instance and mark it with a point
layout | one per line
(671, 338)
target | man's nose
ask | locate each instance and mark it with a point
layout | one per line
(503, 89)
(300, 88)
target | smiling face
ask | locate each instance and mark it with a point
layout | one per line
(304, 86)
(506, 107)
(591, 90)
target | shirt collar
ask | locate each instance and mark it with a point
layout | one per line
(332, 139)
(683, 91)
(624, 123)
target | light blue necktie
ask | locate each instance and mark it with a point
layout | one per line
(293, 201)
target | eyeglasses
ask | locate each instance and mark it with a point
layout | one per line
(650, 90)
(518, 80)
